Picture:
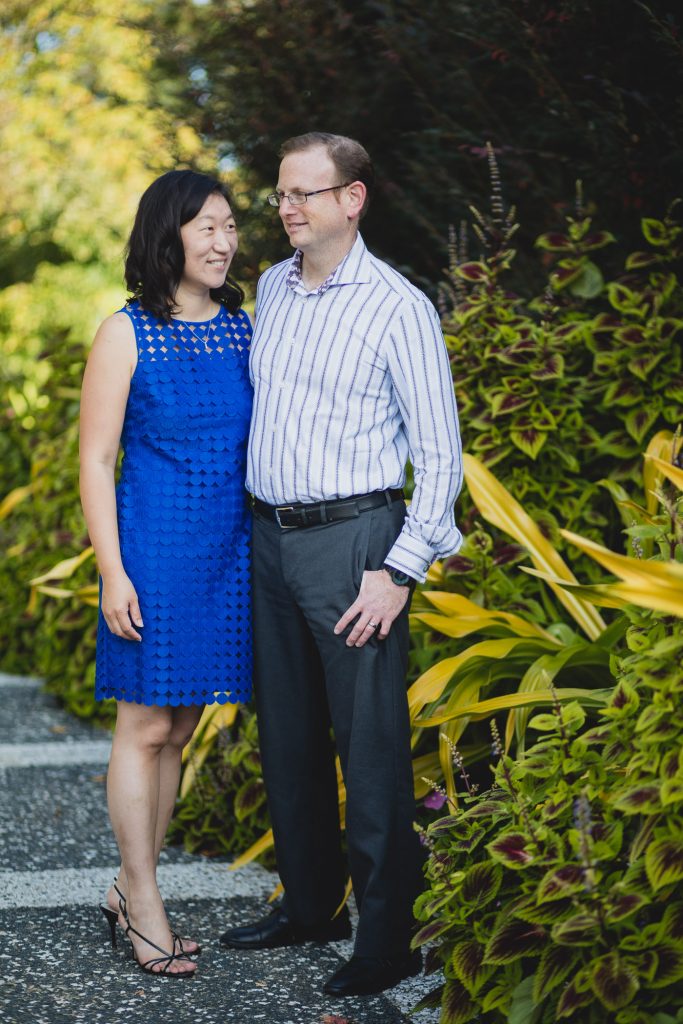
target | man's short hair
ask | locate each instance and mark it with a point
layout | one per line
(348, 156)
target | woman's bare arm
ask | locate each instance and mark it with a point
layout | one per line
(106, 385)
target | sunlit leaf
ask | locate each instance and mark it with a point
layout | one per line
(498, 506)
(672, 473)
(63, 570)
(484, 708)
(14, 498)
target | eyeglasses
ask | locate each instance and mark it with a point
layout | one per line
(299, 198)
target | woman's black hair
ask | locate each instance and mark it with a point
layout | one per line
(155, 255)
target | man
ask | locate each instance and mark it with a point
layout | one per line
(351, 376)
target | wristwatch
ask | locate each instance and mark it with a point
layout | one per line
(399, 577)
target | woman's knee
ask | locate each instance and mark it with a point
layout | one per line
(185, 721)
(146, 727)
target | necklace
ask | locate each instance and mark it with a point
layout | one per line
(209, 333)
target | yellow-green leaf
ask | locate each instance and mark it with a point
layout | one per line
(633, 570)
(660, 446)
(58, 592)
(498, 507)
(488, 707)
(64, 569)
(461, 609)
(601, 594)
(671, 472)
(431, 684)
(14, 498)
(260, 846)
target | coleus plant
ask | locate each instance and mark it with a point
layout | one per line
(558, 893)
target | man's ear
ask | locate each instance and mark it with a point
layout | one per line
(356, 193)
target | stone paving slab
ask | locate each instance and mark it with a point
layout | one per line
(29, 715)
(18, 755)
(58, 966)
(56, 817)
(181, 876)
(58, 857)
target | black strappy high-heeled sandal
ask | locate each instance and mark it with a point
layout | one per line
(166, 959)
(112, 917)
(112, 920)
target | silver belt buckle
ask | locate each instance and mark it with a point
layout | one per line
(283, 508)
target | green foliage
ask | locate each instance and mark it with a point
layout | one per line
(225, 809)
(557, 893)
(69, 184)
(561, 391)
(52, 639)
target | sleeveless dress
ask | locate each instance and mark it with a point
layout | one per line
(184, 524)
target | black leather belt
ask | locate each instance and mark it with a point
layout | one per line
(291, 517)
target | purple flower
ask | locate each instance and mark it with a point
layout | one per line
(435, 801)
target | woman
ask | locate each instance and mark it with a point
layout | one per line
(167, 378)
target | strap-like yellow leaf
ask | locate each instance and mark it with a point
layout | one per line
(427, 765)
(196, 760)
(277, 891)
(64, 569)
(498, 507)
(661, 447)
(58, 592)
(435, 573)
(671, 472)
(14, 498)
(260, 846)
(488, 707)
(630, 569)
(348, 889)
(459, 606)
(655, 596)
(601, 594)
(464, 625)
(431, 684)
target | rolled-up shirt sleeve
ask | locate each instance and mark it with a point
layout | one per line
(421, 376)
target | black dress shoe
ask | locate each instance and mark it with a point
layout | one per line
(277, 930)
(364, 975)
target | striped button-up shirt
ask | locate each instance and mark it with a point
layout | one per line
(350, 380)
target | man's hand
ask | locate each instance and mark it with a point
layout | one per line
(378, 603)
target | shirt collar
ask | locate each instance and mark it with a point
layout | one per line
(353, 269)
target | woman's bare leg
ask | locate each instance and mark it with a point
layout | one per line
(134, 788)
(184, 721)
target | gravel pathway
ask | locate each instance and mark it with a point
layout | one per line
(58, 858)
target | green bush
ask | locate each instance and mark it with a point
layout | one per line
(561, 391)
(557, 893)
(225, 808)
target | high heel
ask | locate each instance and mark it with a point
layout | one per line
(166, 959)
(112, 920)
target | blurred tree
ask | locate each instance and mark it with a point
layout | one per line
(81, 136)
(564, 90)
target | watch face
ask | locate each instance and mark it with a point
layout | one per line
(401, 579)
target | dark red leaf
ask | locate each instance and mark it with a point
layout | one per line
(514, 939)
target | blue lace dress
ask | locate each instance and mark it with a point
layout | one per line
(184, 525)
